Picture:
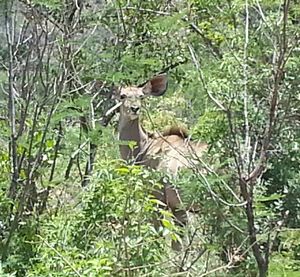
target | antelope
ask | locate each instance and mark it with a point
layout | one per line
(166, 152)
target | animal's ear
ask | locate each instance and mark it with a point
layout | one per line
(157, 86)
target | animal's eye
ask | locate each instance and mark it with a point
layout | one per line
(141, 96)
(122, 96)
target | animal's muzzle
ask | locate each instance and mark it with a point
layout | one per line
(135, 109)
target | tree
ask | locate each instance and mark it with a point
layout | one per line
(233, 68)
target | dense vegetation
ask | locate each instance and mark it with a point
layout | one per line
(70, 207)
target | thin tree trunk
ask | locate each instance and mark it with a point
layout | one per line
(11, 99)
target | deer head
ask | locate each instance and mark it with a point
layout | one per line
(131, 97)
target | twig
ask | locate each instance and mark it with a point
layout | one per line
(61, 256)
(10, 34)
(56, 149)
(186, 252)
(214, 50)
(197, 65)
(278, 75)
(247, 146)
(147, 10)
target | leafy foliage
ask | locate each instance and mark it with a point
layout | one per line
(69, 207)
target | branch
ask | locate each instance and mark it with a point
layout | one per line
(147, 10)
(61, 256)
(197, 65)
(278, 76)
(247, 145)
(10, 34)
(40, 12)
(215, 51)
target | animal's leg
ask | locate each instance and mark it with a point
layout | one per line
(169, 195)
(159, 195)
(174, 202)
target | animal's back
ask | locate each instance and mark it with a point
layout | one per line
(172, 152)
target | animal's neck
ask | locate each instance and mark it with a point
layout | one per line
(131, 130)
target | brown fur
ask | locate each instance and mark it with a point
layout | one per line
(176, 131)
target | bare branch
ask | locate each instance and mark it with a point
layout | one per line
(10, 35)
(61, 256)
(247, 145)
(197, 65)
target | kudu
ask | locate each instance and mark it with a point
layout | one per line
(166, 152)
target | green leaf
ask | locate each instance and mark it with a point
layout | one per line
(272, 197)
(122, 170)
(167, 224)
(158, 202)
